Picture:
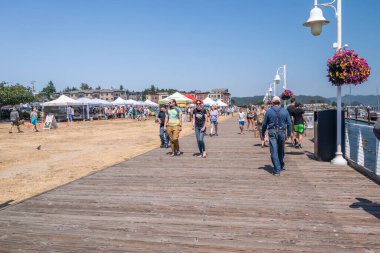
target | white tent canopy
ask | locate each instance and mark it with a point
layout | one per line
(140, 103)
(63, 101)
(221, 103)
(119, 101)
(131, 102)
(98, 101)
(85, 101)
(181, 99)
(151, 103)
(208, 101)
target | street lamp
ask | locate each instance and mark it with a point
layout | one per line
(277, 78)
(316, 21)
(270, 91)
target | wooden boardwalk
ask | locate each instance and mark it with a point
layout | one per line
(228, 202)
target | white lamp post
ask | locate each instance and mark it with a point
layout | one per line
(270, 91)
(277, 78)
(316, 21)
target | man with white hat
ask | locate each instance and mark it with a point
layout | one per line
(277, 121)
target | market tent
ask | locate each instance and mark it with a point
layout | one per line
(131, 102)
(98, 101)
(221, 103)
(85, 101)
(62, 101)
(140, 103)
(119, 101)
(181, 99)
(190, 96)
(209, 102)
(151, 103)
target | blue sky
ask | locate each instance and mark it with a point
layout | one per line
(183, 44)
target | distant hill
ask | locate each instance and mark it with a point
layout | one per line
(366, 100)
(370, 100)
(243, 101)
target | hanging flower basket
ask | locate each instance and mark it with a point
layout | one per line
(286, 94)
(346, 67)
(269, 102)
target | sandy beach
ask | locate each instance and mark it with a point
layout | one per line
(68, 153)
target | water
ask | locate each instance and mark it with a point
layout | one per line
(368, 139)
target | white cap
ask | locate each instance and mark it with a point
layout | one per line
(276, 98)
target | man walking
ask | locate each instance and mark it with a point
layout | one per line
(277, 121)
(173, 125)
(15, 120)
(163, 134)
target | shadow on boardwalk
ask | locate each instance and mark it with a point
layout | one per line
(227, 202)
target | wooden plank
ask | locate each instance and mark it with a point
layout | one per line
(228, 202)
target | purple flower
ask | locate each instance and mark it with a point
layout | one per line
(346, 67)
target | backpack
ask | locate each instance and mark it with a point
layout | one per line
(260, 118)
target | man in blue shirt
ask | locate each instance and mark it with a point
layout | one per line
(277, 121)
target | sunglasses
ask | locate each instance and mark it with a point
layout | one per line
(199, 103)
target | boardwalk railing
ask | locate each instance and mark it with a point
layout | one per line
(362, 147)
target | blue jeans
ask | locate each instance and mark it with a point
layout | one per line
(277, 148)
(164, 137)
(200, 136)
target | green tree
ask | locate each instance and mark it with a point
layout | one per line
(98, 88)
(15, 94)
(85, 86)
(49, 90)
(67, 89)
(121, 87)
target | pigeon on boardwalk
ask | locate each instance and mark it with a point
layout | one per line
(39, 147)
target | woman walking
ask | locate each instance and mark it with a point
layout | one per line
(34, 119)
(260, 120)
(214, 116)
(199, 125)
(241, 120)
(250, 117)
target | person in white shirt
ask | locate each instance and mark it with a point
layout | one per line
(241, 120)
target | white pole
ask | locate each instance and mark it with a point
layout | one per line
(339, 160)
(284, 76)
(284, 83)
(274, 89)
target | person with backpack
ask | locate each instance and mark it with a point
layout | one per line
(15, 120)
(260, 120)
(200, 116)
(277, 121)
(173, 126)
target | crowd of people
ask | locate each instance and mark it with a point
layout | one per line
(171, 118)
(274, 125)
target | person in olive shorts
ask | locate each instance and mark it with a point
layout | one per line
(299, 121)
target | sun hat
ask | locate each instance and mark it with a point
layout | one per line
(276, 98)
